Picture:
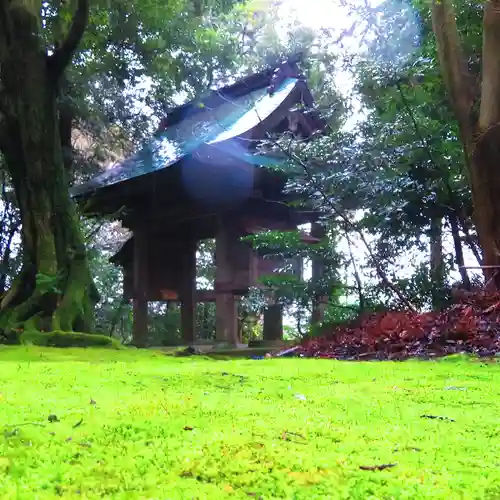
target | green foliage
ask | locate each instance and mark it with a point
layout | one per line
(274, 240)
(337, 314)
(289, 286)
(251, 327)
(67, 339)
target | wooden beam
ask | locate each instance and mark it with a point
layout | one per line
(140, 325)
(201, 296)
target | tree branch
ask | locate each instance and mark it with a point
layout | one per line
(348, 224)
(63, 54)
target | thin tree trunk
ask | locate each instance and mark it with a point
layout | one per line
(459, 254)
(357, 276)
(436, 263)
(473, 244)
(298, 268)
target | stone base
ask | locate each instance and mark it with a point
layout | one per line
(210, 345)
(224, 352)
(268, 343)
(227, 345)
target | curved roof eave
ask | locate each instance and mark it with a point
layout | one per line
(243, 117)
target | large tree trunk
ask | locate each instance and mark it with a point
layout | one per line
(481, 137)
(54, 289)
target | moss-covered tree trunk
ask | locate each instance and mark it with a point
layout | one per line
(54, 290)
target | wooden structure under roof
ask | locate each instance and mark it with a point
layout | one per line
(202, 177)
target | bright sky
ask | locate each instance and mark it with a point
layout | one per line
(318, 14)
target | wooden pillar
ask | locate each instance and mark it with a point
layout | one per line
(318, 269)
(273, 323)
(298, 267)
(226, 326)
(188, 294)
(140, 335)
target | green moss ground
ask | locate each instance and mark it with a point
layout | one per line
(135, 424)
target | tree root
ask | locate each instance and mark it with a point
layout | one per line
(50, 309)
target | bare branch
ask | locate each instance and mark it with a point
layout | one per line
(63, 54)
(480, 267)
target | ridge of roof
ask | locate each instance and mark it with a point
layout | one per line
(241, 87)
